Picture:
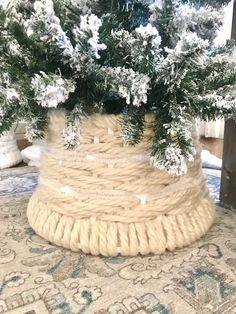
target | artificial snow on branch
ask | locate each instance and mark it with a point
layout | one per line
(50, 91)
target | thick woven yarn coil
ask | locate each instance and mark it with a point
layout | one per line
(9, 152)
(105, 197)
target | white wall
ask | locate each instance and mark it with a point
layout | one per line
(225, 31)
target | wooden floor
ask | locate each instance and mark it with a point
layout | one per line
(22, 144)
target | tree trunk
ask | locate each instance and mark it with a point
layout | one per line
(228, 178)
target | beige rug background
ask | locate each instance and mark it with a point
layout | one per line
(37, 277)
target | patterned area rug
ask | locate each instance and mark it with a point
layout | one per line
(38, 278)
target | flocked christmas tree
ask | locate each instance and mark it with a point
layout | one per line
(128, 57)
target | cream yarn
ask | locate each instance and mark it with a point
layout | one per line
(105, 198)
(9, 152)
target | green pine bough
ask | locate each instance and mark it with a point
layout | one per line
(127, 57)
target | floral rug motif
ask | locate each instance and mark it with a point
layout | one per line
(37, 277)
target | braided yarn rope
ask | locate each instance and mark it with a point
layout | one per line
(105, 197)
(9, 152)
